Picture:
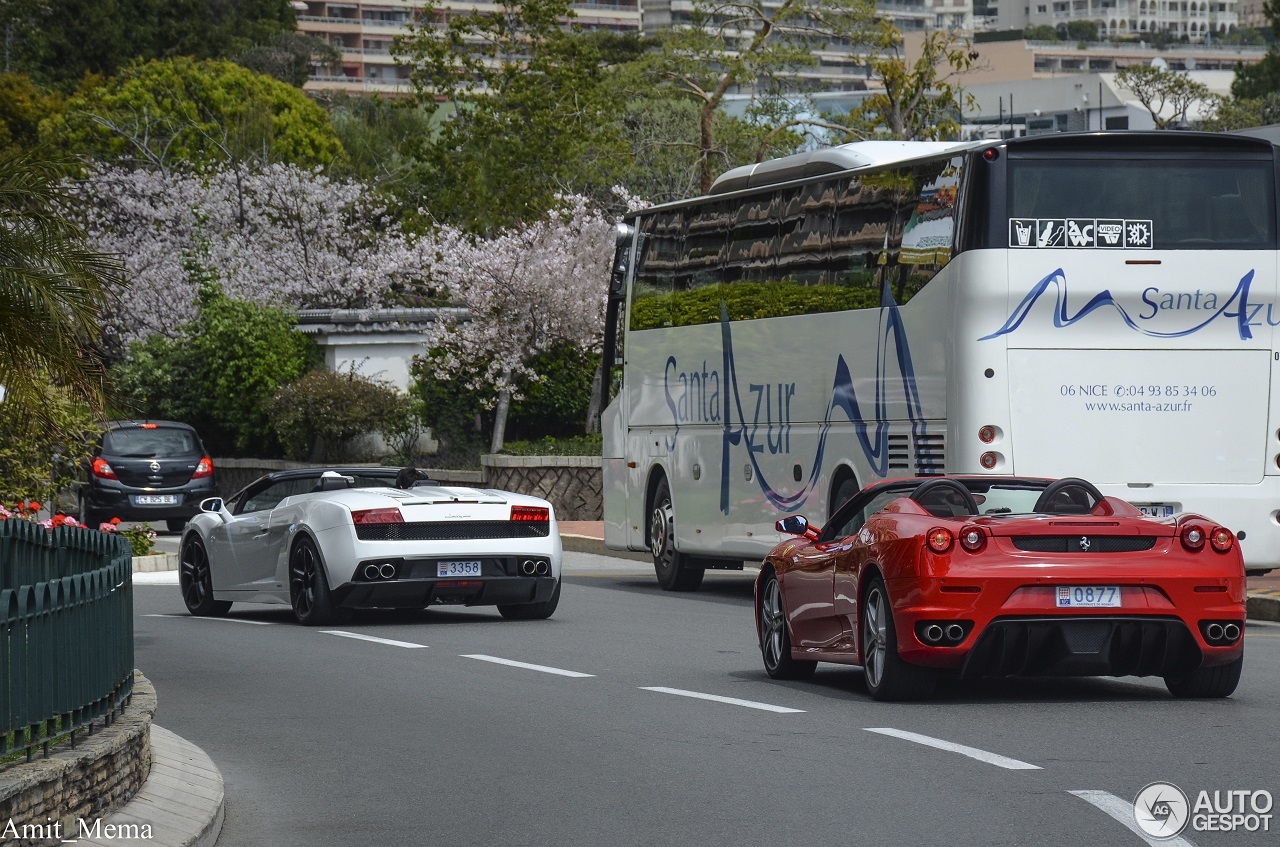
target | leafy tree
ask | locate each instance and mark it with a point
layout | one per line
(1082, 30)
(221, 373)
(280, 234)
(918, 102)
(1225, 114)
(318, 416)
(527, 290)
(517, 101)
(165, 113)
(377, 137)
(53, 288)
(288, 57)
(1043, 32)
(23, 105)
(751, 45)
(454, 410)
(1166, 94)
(1256, 81)
(60, 41)
(41, 455)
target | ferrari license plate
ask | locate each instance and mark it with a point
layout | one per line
(1088, 596)
(1155, 510)
(470, 568)
(155, 499)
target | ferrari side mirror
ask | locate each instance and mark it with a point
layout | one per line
(793, 525)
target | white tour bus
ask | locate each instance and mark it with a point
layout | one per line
(1093, 305)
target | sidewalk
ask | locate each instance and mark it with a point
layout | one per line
(180, 804)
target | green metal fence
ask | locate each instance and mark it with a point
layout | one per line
(66, 632)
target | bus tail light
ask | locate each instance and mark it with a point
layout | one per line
(1221, 539)
(987, 434)
(940, 539)
(989, 460)
(1193, 538)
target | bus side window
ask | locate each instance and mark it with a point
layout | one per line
(654, 285)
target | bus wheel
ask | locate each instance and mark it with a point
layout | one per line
(844, 491)
(675, 572)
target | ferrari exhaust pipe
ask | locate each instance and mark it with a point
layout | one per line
(1214, 631)
(528, 566)
(387, 571)
(542, 569)
(955, 632)
(370, 571)
(1231, 632)
(933, 633)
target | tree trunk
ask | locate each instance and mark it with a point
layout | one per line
(500, 420)
(597, 396)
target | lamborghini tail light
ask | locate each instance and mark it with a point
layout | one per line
(973, 539)
(1193, 538)
(940, 539)
(102, 470)
(205, 468)
(373, 516)
(530, 513)
(1221, 539)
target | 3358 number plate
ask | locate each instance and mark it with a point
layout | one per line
(468, 568)
(1088, 596)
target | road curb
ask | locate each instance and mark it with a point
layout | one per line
(595, 546)
(182, 801)
(1262, 607)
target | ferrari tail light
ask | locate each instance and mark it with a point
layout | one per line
(530, 513)
(1221, 539)
(373, 516)
(940, 539)
(973, 539)
(1193, 538)
(102, 470)
(205, 468)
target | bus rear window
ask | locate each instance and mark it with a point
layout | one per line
(1192, 204)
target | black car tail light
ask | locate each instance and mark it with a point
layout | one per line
(102, 470)
(205, 468)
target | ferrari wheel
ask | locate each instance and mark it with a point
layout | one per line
(675, 572)
(888, 677)
(308, 588)
(196, 581)
(532, 611)
(775, 639)
(1204, 683)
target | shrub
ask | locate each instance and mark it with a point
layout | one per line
(319, 415)
(38, 458)
(220, 373)
(555, 404)
(455, 413)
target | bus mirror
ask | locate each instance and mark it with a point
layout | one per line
(793, 525)
(622, 234)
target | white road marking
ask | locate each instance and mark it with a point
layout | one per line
(155, 578)
(733, 701)
(1122, 810)
(971, 752)
(527, 666)
(375, 640)
(199, 618)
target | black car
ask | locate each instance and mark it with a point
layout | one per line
(147, 471)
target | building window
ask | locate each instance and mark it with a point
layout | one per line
(1118, 123)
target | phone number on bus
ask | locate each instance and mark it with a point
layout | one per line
(1138, 390)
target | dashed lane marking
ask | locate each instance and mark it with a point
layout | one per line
(392, 642)
(733, 701)
(964, 750)
(1122, 811)
(514, 664)
(199, 618)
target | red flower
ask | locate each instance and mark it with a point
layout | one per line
(34, 506)
(115, 521)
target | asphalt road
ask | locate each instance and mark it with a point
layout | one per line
(326, 739)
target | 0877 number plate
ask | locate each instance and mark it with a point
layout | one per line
(468, 568)
(1088, 596)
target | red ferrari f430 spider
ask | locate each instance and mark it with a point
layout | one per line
(1003, 576)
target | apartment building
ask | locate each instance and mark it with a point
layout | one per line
(1197, 20)
(364, 32)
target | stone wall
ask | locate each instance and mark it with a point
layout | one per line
(573, 484)
(49, 797)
